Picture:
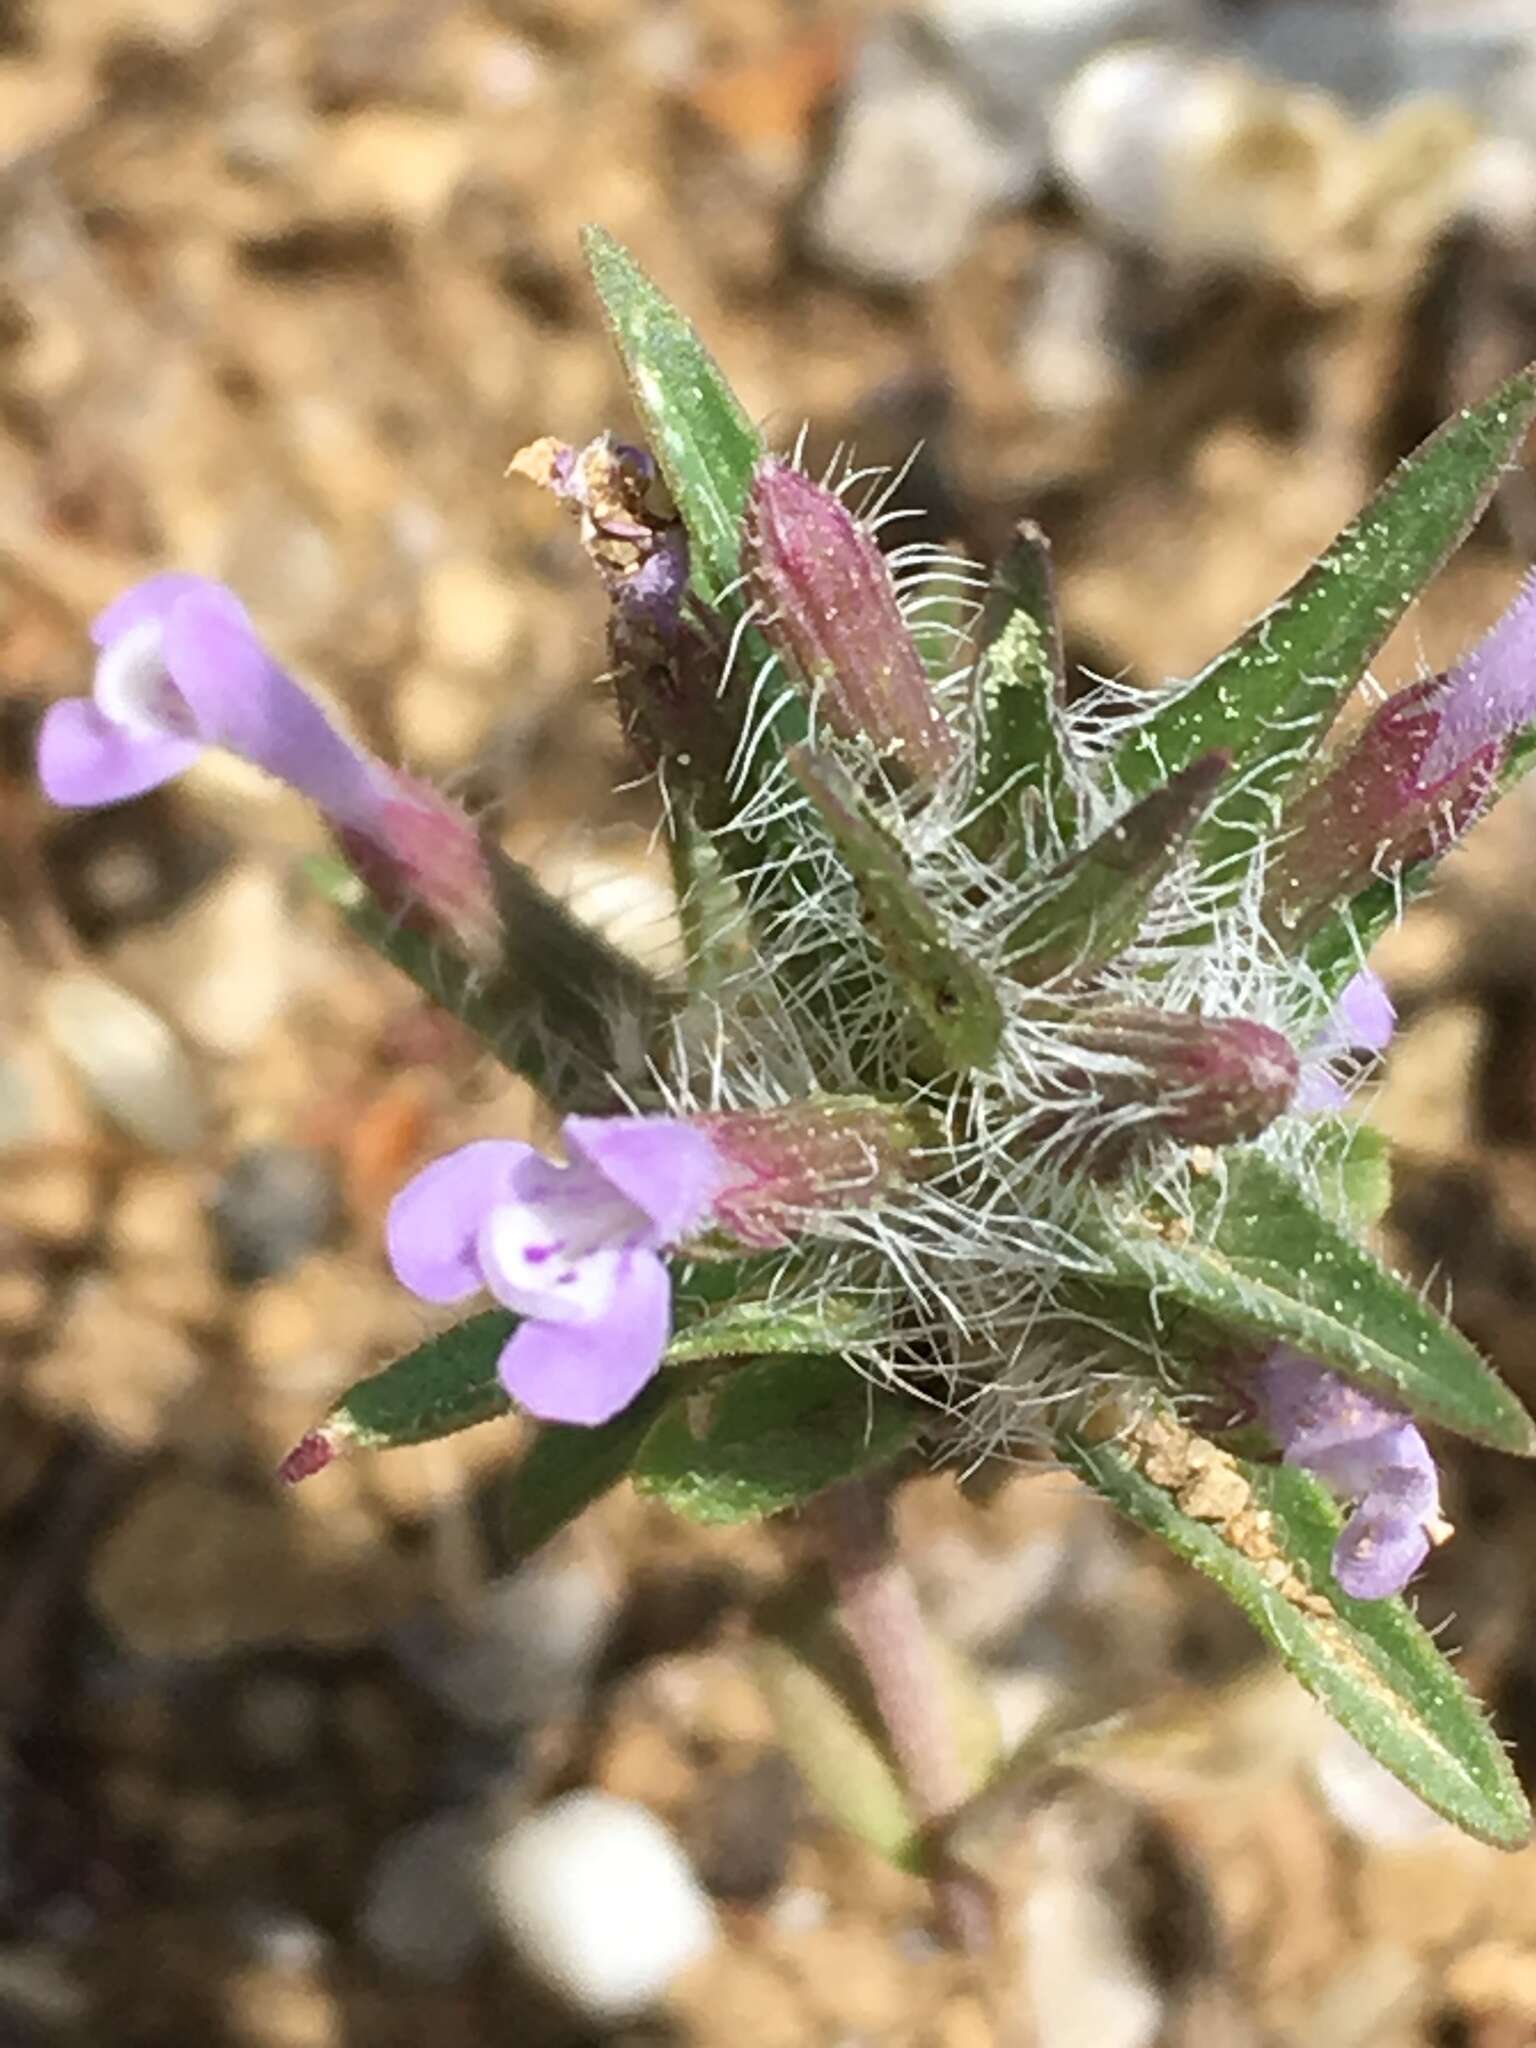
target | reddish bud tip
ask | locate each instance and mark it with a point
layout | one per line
(830, 611)
(311, 1454)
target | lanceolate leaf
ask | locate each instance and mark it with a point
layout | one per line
(1265, 1534)
(1256, 1255)
(1271, 696)
(951, 995)
(1019, 679)
(565, 1470)
(708, 451)
(704, 442)
(447, 1384)
(770, 1435)
(1101, 893)
(561, 1007)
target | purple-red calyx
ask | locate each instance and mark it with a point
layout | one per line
(828, 607)
(181, 669)
(575, 1249)
(1372, 1455)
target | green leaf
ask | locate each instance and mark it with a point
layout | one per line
(447, 1384)
(562, 1007)
(566, 1469)
(708, 451)
(951, 995)
(1255, 1254)
(746, 1329)
(1265, 1534)
(704, 442)
(1352, 1166)
(771, 1435)
(1098, 896)
(1272, 695)
(1019, 686)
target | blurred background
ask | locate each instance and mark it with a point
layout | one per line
(283, 286)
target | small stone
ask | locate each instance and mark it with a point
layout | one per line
(199, 1569)
(746, 1829)
(275, 1204)
(228, 966)
(128, 1059)
(470, 614)
(49, 1201)
(441, 720)
(114, 1370)
(425, 1908)
(599, 1903)
(525, 1653)
(23, 1301)
(913, 170)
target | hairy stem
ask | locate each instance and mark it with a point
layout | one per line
(877, 1605)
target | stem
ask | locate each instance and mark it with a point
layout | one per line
(877, 1605)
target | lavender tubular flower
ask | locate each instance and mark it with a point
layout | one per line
(1368, 1452)
(573, 1249)
(181, 669)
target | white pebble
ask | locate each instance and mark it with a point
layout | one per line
(129, 1060)
(599, 1902)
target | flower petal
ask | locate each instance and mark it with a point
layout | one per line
(668, 1169)
(245, 702)
(155, 598)
(83, 758)
(1378, 1552)
(434, 1223)
(587, 1372)
(1490, 693)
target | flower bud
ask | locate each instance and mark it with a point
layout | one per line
(829, 609)
(1375, 810)
(1209, 1080)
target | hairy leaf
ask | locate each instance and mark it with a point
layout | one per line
(952, 996)
(771, 1435)
(1265, 1534)
(1257, 1255)
(1270, 698)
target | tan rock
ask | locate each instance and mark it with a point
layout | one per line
(197, 1568)
(470, 613)
(115, 1370)
(52, 1201)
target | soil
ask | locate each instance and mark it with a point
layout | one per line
(283, 287)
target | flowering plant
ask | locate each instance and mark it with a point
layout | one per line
(1002, 1104)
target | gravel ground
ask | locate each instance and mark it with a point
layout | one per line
(283, 286)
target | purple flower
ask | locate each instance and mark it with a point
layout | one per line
(181, 668)
(573, 1249)
(1362, 1020)
(1369, 1452)
(1489, 694)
